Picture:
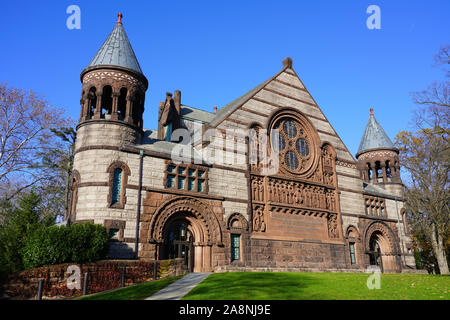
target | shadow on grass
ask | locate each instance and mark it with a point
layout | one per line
(255, 286)
(319, 286)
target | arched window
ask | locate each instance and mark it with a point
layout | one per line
(136, 108)
(117, 186)
(106, 101)
(118, 180)
(92, 102)
(122, 104)
(293, 144)
(388, 171)
(378, 170)
(369, 172)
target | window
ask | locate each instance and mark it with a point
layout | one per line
(114, 234)
(375, 206)
(235, 247)
(117, 186)
(352, 253)
(186, 177)
(294, 144)
(118, 181)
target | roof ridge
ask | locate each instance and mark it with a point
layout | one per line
(231, 107)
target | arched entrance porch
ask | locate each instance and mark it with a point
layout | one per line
(381, 248)
(186, 228)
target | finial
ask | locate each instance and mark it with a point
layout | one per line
(287, 63)
(215, 109)
(120, 15)
(371, 111)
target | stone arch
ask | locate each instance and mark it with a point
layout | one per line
(312, 139)
(237, 221)
(352, 232)
(126, 172)
(199, 213)
(380, 232)
(383, 229)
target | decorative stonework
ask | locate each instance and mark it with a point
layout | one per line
(377, 154)
(386, 232)
(298, 143)
(292, 193)
(345, 164)
(333, 230)
(124, 182)
(375, 206)
(237, 221)
(258, 219)
(207, 221)
(94, 76)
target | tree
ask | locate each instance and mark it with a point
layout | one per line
(425, 154)
(25, 134)
(56, 189)
(17, 223)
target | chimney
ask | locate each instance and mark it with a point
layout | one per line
(177, 100)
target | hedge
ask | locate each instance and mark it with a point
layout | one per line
(81, 242)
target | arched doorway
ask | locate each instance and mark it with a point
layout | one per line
(381, 248)
(178, 243)
(185, 227)
(375, 251)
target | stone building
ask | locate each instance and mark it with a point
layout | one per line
(300, 202)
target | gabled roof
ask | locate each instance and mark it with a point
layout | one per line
(194, 114)
(117, 51)
(374, 137)
(228, 109)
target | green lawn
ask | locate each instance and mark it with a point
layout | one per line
(137, 292)
(314, 286)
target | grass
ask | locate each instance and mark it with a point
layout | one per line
(137, 292)
(319, 286)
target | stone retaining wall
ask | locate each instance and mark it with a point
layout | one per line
(102, 275)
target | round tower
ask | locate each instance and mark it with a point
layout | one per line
(377, 157)
(112, 95)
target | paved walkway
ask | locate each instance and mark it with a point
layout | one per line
(180, 288)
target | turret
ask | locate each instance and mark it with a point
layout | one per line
(113, 94)
(377, 156)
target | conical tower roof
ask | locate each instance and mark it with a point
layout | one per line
(374, 137)
(117, 50)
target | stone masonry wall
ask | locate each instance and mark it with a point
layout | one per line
(103, 275)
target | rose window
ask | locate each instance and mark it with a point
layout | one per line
(294, 145)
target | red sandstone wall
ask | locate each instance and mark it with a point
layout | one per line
(103, 275)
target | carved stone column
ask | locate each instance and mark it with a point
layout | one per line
(115, 102)
(383, 169)
(128, 117)
(98, 107)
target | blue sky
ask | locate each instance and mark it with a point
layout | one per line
(215, 51)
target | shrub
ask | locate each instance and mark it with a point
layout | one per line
(88, 242)
(46, 246)
(59, 244)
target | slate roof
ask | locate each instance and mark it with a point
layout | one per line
(190, 113)
(374, 137)
(117, 51)
(228, 109)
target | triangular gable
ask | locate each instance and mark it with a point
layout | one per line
(285, 89)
